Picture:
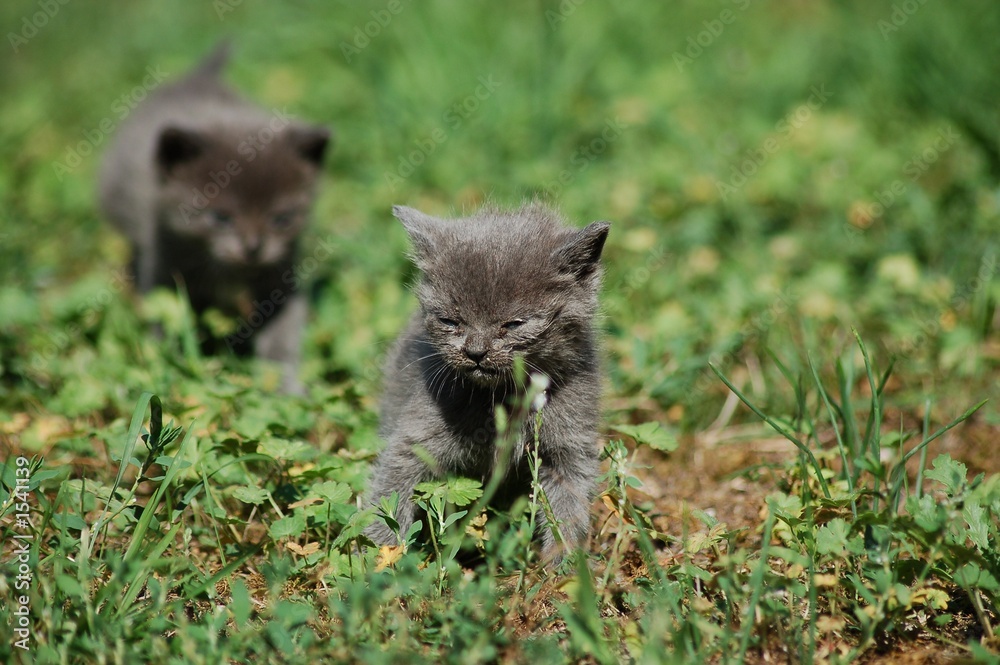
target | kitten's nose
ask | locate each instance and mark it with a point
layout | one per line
(475, 355)
(251, 246)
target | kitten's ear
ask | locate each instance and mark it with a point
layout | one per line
(311, 143)
(580, 255)
(420, 227)
(177, 147)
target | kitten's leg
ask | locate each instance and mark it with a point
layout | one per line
(280, 340)
(568, 462)
(568, 476)
(397, 470)
(135, 268)
(144, 271)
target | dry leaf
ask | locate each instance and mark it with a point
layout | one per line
(310, 548)
(388, 555)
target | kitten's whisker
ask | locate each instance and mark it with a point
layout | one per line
(536, 369)
(412, 362)
(439, 380)
(553, 379)
(433, 386)
(442, 379)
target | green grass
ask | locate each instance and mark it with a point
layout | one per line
(800, 330)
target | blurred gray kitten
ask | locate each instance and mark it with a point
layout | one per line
(213, 193)
(496, 285)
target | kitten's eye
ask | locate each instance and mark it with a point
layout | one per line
(283, 220)
(513, 325)
(448, 323)
(220, 218)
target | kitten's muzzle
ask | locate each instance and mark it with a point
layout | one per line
(478, 366)
(485, 376)
(476, 355)
(252, 248)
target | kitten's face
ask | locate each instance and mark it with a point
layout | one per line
(248, 204)
(482, 344)
(501, 285)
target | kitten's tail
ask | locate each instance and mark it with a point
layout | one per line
(213, 63)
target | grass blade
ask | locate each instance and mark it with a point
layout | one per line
(780, 430)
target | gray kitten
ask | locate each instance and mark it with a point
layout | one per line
(496, 285)
(213, 193)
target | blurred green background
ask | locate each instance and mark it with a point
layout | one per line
(775, 172)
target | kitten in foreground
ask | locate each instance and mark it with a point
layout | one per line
(213, 193)
(495, 286)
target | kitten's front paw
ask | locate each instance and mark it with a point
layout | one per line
(561, 559)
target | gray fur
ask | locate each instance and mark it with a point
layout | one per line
(454, 362)
(213, 192)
